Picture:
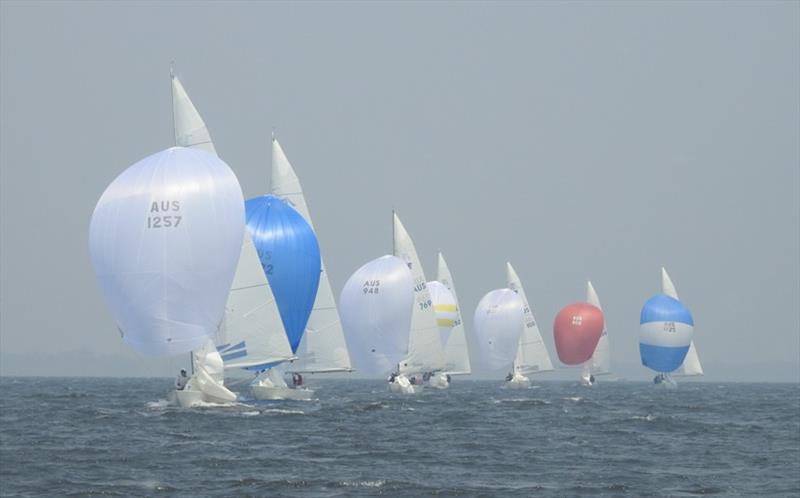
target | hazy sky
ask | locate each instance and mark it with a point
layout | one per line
(576, 140)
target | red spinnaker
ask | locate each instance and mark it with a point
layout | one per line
(577, 330)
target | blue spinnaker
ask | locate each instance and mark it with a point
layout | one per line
(666, 329)
(289, 254)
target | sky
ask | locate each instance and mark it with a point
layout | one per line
(598, 140)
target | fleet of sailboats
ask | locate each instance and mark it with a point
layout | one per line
(219, 304)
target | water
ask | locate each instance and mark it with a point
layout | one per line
(81, 437)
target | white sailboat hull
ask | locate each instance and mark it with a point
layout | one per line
(518, 381)
(439, 381)
(202, 388)
(402, 385)
(188, 398)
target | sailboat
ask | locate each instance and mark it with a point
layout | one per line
(251, 336)
(149, 221)
(451, 327)
(499, 324)
(323, 348)
(691, 366)
(289, 253)
(532, 356)
(376, 306)
(665, 333)
(600, 363)
(425, 355)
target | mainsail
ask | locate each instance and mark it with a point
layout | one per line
(600, 364)
(456, 352)
(190, 129)
(691, 364)
(323, 347)
(532, 356)
(424, 347)
(252, 335)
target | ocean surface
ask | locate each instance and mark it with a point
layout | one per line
(119, 437)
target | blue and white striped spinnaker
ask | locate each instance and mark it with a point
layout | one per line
(665, 333)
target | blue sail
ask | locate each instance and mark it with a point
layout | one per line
(289, 254)
(666, 329)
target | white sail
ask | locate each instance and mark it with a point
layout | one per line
(424, 347)
(323, 347)
(499, 323)
(376, 304)
(532, 356)
(252, 334)
(667, 287)
(190, 129)
(600, 363)
(456, 352)
(164, 246)
(691, 364)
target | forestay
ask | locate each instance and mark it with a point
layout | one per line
(376, 306)
(424, 348)
(532, 355)
(323, 347)
(164, 241)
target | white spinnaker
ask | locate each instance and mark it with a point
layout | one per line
(376, 305)
(456, 352)
(499, 323)
(424, 347)
(164, 243)
(532, 355)
(323, 347)
(190, 129)
(253, 333)
(691, 364)
(600, 362)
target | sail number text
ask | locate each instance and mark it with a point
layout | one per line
(158, 218)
